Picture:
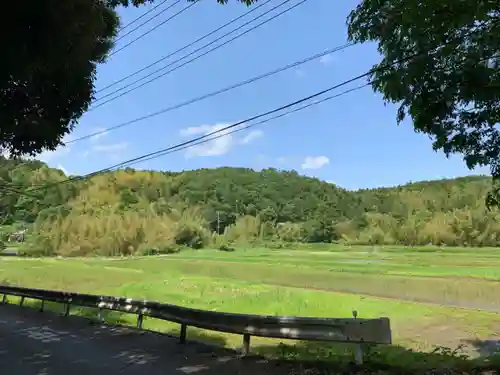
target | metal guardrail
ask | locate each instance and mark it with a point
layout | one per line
(346, 330)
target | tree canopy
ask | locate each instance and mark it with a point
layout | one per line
(47, 73)
(451, 89)
(131, 211)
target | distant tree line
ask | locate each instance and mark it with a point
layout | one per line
(128, 211)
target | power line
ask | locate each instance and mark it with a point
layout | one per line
(194, 141)
(154, 28)
(192, 53)
(193, 59)
(142, 15)
(246, 127)
(199, 140)
(150, 155)
(253, 9)
(220, 91)
(9, 188)
(148, 20)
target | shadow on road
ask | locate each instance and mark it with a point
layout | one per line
(487, 347)
(132, 351)
(382, 359)
(8, 254)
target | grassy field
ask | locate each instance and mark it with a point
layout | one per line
(433, 297)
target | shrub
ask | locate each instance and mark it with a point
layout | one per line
(158, 249)
(191, 235)
(225, 247)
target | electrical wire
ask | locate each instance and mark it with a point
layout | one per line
(253, 9)
(154, 28)
(142, 15)
(246, 127)
(217, 92)
(198, 141)
(194, 141)
(148, 20)
(100, 104)
(7, 187)
(270, 112)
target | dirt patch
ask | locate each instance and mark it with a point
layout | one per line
(431, 333)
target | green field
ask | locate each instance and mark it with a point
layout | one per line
(433, 298)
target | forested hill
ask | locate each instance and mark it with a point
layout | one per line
(197, 208)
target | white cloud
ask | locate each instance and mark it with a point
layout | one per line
(251, 136)
(112, 150)
(111, 147)
(326, 59)
(48, 156)
(85, 153)
(315, 162)
(196, 130)
(216, 147)
(59, 166)
(219, 146)
(300, 73)
(102, 133)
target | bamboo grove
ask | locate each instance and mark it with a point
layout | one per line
(146, 212)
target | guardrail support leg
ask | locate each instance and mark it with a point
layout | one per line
(4, 299)
(140, 317)
(66, 311)
(99, 315)
(22, 301)
(42, 305)
(358, 354)
(183, 334)
(246, 344)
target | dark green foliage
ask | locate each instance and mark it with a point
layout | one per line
(156, 212)
(50, 52)
(48, 68)
(452, 93)
(275, 196)
(226, 248)
(190, 236)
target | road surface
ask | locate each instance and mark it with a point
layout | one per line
(34, 343)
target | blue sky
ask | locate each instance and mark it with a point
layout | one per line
(352, 141)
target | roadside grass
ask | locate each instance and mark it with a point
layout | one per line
(448, 254)
(417, 326)
(434, 265)
(449, 285)
(280, 284)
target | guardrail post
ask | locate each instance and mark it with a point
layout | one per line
(183, 334)
(140, 317)
(42, 305)
(22, 301)
(358, 351)
(99, 315)
(246, 344)
(4, 299)
(66, 311)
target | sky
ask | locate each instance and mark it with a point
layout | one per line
(353, 140)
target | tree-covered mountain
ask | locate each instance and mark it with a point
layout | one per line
(130, 211)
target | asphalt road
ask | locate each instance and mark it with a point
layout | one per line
(34, 343)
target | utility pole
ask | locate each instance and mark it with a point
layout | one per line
(218, 222)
